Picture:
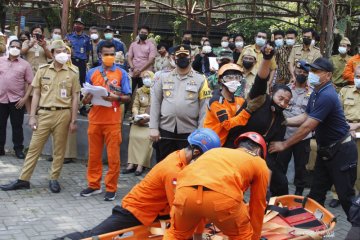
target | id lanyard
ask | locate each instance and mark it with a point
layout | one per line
(110, 87)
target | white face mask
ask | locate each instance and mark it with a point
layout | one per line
(56, 37)
(206, 49)
(224, 44)
(147, 82)
(13, 51)
(312, 42)
(62, 58)
(357, 82)
(260, 41)
(279, 43)
(232, 86)
(94, 36)
(342, 50)
(290, 42)
(239, 44)
(314, 79)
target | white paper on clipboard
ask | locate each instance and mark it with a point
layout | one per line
(213, 63)
(98, 92)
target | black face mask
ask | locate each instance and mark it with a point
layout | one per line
(307, 41)
(183, 62)
(247, 64)
(276, 108)
(301, 78)
(232, 46)
(143, 37)
(186, 42)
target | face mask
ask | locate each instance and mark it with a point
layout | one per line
(94, 36)
(56, 37)
(61, 58)
(314, 79)
(307, 41)
(186, 42)
(206, 49)
(78, 28)
(279, 42)
(260, 41)
(143, 37)
(276, 108)
(183, 62)
(13, 51)
(342, 50)
(247, 64)
(312, 42)
(108, 60)
(232, 46)
(357, 82)
(224, 44)
(147, 82)
(301, 78)
(290, 42)
(232, 86)
(108, 36)
(239, 44)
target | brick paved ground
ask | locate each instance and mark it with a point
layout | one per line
(39, 214)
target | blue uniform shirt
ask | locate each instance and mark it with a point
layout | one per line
(324, 106)
(80, 45)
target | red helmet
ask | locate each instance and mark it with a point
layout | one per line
(255, 137)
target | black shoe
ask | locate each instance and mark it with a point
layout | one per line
(334, 203)
(54, 186)
(87, 192)
(2, 152)
(109, 196)
(299, 191)
(138, 173)
(19, 154)
(68, 160)
(127, 171)
(15, 185)
(50, 159)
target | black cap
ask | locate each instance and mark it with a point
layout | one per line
(322, 64)
(302, 65)
(183, 49)
(108, 28)
(78, 20)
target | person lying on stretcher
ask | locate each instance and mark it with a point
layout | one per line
(154, 195)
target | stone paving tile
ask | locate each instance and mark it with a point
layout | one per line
(38, 214)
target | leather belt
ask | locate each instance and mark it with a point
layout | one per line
(78, 60)
(53, 108)
(350, 121)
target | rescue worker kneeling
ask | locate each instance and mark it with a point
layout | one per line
(213, 188)
(154, 195)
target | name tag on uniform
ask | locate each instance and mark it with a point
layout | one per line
(63, 93)
(37, 53)
(81, 50)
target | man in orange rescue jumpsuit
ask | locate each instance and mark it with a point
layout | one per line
(155, 193)
(225, 110)
(350, 66)
(104, 123)
(213, 188)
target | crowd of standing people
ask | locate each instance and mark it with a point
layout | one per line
(273, 100)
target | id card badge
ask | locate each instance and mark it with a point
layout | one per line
(81, 50)
(37, 53)
(63, 93)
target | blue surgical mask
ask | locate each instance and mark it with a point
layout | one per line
(357, 82)
(279, 43)
(314, 79)
(260, 41)
(108, 36)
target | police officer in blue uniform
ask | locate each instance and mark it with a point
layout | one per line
(337, 154)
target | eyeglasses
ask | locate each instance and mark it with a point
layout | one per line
(229, 78)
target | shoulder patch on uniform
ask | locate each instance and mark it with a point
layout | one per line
(297, 45)
(44, 65)
(74, 69)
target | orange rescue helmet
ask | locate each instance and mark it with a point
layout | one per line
(229, 66)
(255, 137)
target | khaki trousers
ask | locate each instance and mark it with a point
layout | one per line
(71, 145)
(49, 122)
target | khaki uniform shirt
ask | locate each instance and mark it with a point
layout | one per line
(259, 58)
(35, 56)
(2, 45)
(161, 63)
(56, 86)
(141, 101)
(179, 101)
(299, 53)
(339, 66)
(350, 99)
(250, 79)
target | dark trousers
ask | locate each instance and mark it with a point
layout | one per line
(119, 219)
(340, 170)
(167, 146)
(136, 81)
(278, 181)
(16, 120)
(301, 152)
(81, 64)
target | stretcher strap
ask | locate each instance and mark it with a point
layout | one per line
(159, 231)
(280, 229)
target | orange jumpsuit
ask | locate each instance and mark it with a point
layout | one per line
(213, 187)
(221, 115)
(155, 193)
(349, 70)
(105, 127)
